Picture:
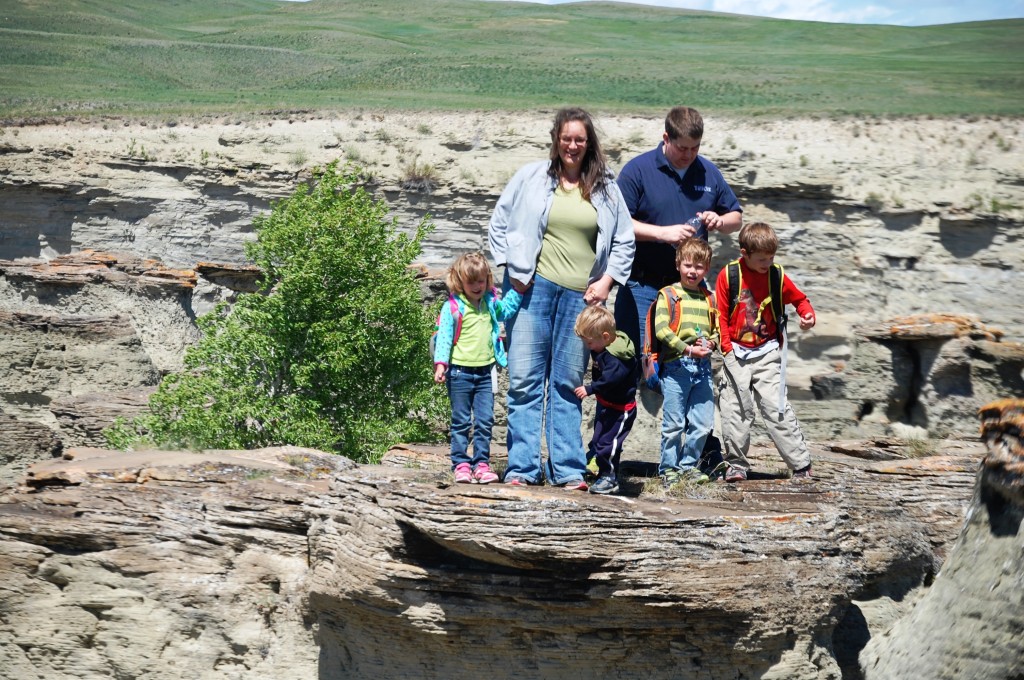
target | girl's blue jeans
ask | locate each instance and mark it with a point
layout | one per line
(472, 398)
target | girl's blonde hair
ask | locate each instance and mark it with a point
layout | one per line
(468, 267)
(593, 321)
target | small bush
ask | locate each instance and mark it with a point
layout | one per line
(420, 177)
(330, 353)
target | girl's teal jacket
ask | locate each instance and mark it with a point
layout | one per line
(500, 308)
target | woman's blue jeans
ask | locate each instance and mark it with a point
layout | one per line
(631, 304)
(688, 413)
(472, 398)
(546, 362)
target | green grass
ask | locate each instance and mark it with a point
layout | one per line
(167, 58)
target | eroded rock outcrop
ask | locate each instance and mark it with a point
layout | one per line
(292, 563)
(160, 565)
(969, 622)
(87, 337)
(919, 376)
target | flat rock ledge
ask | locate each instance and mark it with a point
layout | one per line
(293, 563)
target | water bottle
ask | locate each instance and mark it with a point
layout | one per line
(699, 230)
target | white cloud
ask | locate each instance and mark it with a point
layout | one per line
(897, 12)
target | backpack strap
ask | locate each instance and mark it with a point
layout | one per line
(775, 276)
(712, 306)
(674, 317)
(651, 342)
(732, 275)
(457, 315)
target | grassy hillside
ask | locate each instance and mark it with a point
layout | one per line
(184, 56)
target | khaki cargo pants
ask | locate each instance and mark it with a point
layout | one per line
(741, 383)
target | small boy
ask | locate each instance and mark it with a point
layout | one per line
(615, 372)
(688, 335)
(751, 349)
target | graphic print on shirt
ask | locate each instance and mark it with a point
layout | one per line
(754, 330)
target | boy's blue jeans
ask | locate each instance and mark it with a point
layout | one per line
(472, 397)
(688, 413)
(546, 362)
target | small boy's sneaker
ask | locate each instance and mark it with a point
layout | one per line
(669, 479)
(483, 474)
(577, 485)
(803, 473)
(735, 474)
(592, 466)
(694, 476)
(605, 484)
(463, 475)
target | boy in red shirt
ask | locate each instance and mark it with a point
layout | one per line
(752, 357)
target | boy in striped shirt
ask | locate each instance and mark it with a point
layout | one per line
(688, 336)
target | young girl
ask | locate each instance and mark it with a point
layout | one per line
(467, 346)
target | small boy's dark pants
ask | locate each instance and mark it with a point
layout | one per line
(611, 425)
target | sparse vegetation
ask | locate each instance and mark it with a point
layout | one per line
(420, 177)
(919, 448)
(138, 151)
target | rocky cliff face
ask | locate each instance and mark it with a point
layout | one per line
(878, 221)
(291, 563)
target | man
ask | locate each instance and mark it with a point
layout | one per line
(665, 188)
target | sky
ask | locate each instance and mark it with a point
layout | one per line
(894, 12)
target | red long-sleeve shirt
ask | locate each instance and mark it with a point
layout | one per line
(751, 326)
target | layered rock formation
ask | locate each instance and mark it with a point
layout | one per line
(290, 563)
(969, 623)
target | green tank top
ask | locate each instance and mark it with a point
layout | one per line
(570, 242)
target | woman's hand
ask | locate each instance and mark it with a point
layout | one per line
(597, 293)
(439, 372)
(519, 286)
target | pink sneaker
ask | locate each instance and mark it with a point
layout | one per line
(578, 485)
(463, 475)
(483, 474)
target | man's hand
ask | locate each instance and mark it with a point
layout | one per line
(711, 220)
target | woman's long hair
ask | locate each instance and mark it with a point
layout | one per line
(594, 168)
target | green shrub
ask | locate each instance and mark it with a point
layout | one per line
(330, 353)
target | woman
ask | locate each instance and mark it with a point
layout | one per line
(564, 235)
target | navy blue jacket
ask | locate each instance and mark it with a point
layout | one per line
(615, 372)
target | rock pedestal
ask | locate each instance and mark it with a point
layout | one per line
(969, 623)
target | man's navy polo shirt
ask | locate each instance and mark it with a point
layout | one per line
(656, 194)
